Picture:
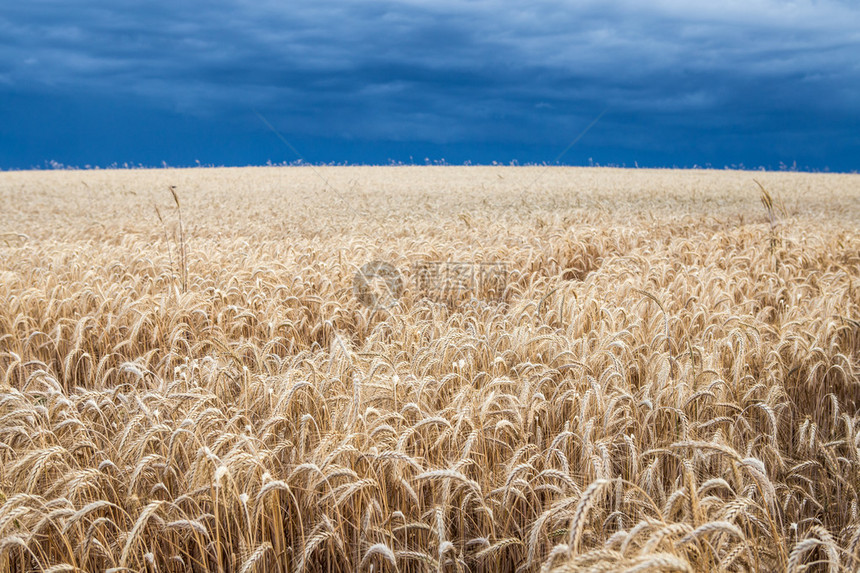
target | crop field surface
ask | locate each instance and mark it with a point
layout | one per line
(429, 369)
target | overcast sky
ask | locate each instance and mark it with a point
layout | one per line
(753, 82)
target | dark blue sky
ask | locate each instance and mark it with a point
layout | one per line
(754, 82)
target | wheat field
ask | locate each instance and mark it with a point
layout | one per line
(664, 377)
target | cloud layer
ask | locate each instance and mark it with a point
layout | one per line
(674, 75)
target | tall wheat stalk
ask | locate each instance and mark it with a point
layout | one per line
(266, 420)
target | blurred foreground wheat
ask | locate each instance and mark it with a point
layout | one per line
(669, 382)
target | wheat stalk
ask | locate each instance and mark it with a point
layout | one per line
(262, 418)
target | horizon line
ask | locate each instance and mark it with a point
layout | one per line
(51, 165)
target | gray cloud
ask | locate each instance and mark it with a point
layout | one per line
(450, 71)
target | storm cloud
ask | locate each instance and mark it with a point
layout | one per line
(757, 82)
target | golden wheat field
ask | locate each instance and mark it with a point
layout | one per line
(661, 376)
